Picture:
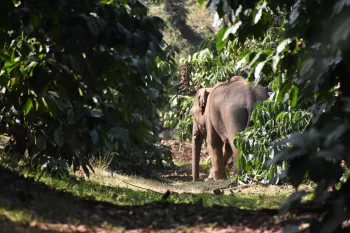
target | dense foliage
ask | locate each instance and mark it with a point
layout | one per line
(78, 76)
(315, 60)
(271, 123)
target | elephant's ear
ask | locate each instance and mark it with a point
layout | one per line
(202, 100)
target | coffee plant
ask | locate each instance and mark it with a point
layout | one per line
(78, 76)
(271, 123)
(312, 58)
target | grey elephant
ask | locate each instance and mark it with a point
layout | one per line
(219, 113)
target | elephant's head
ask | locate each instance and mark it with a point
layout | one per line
(199, 131)
(198, 111)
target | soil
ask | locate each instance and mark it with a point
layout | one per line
(182, 155)
(88, 215)
(182, 151)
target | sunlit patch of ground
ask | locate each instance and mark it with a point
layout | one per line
(126, 204)
(213, 192)
(170, 202)
(179, 181)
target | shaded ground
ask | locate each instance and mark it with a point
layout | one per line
(87, 215)
(49, 210)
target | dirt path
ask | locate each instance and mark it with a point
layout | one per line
(86, 215)
(182, 152)
(59, 211)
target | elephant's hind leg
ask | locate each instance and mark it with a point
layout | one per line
(215, 145)
(227, 151)
(238, 124)
(235, 170)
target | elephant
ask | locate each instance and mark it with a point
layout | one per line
(219, 113)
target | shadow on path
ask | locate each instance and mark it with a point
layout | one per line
(59, 207)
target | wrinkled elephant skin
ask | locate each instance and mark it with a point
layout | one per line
(219, 113)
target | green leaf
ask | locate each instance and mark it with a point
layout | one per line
(49, 105)
(339, 6)
(36, 104)
(283, 91)
(342, 32)
(257, 73)
(293, 16)
(119, 133)
(220, 41)
(294, 96)
(4, 55)
(232, 30)
(306, 68)
(258, 16)
(28, 70)
(28, 106)
(97, 113)
(52, 106)
(35, 20)
(200, 2)
(275, 61)
(94, 136)
(40, 142)
(256, 57)
(10, 65)
(283, 45)
(58, 137)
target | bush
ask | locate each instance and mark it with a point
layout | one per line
(77, 78)
(312, 60)
(271, 123)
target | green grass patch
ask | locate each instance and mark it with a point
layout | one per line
(140, 191)
(73, 202)
(134, 190)
(16, 216)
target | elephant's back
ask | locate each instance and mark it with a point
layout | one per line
(235, 99)
(228, 106)
(231, 93)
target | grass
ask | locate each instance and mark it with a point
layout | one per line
(52, 211)
(15, 215)
(133, 190)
